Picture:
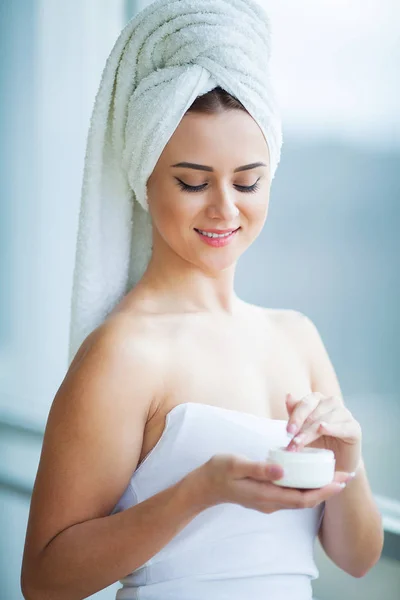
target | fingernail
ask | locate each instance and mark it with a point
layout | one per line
(276, 471)
(292, 428)
(299, 438)
(342, 484)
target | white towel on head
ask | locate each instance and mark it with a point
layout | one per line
(167, 55)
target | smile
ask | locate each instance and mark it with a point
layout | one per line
(216, 235)
(217, 240)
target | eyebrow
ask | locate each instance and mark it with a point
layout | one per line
(189, 165)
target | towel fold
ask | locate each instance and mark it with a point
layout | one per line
(167, 55)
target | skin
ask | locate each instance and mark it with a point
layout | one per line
(203, 276)
(211, 316)
(182, 335)
(203, 284)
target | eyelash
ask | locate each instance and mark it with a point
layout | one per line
(200, 188)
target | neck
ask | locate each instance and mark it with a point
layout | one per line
(182, 286)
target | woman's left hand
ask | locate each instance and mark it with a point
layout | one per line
(324, 422)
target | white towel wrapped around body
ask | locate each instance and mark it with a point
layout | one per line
(167, 55)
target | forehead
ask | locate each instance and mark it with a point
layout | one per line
(231, 134)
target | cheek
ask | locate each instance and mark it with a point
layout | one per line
(256, 212)
(265, 211)
(160, 206)
(170, 216)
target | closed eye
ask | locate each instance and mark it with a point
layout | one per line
(200, 188)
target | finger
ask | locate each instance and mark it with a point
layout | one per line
(330, 409)
(338, 478)
(311, 498)
(300, 498)
(348, 431)
(339, 483)
(257, 470)
(343, 477)
(326, 405)
(311, 433)
(301, 410)
(285, 496)
(290, 403)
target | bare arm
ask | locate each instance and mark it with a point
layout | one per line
(90, 556)
(351, 532)
(91, 447)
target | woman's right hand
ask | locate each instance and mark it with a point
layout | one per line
(236, 479)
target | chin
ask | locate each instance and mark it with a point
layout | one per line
(216, 267)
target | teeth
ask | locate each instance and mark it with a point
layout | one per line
(214, 235)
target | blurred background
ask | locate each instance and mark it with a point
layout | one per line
(330, 247)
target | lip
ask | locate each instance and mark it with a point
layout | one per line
(219, 242)
(217, 230)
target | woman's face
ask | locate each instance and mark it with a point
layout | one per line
(224, 199)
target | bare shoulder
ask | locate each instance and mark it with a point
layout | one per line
(297, 329)
(119, 355)
(289, 322)
(286, 316)
(293, 323)
(121, 334)
(302, 330)
(94, 432)
(304, 333)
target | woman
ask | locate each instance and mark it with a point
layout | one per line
(153, 469)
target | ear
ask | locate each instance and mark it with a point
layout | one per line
(290, 403)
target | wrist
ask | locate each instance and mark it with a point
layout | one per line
(360, 466)
(355, 468)
(195, 490)
(349, 465)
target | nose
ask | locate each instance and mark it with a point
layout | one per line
(222, 205)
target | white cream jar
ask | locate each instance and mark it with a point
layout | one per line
(304, 469)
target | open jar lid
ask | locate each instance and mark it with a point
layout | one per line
(308, 455)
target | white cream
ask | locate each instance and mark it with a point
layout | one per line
(305, 469)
